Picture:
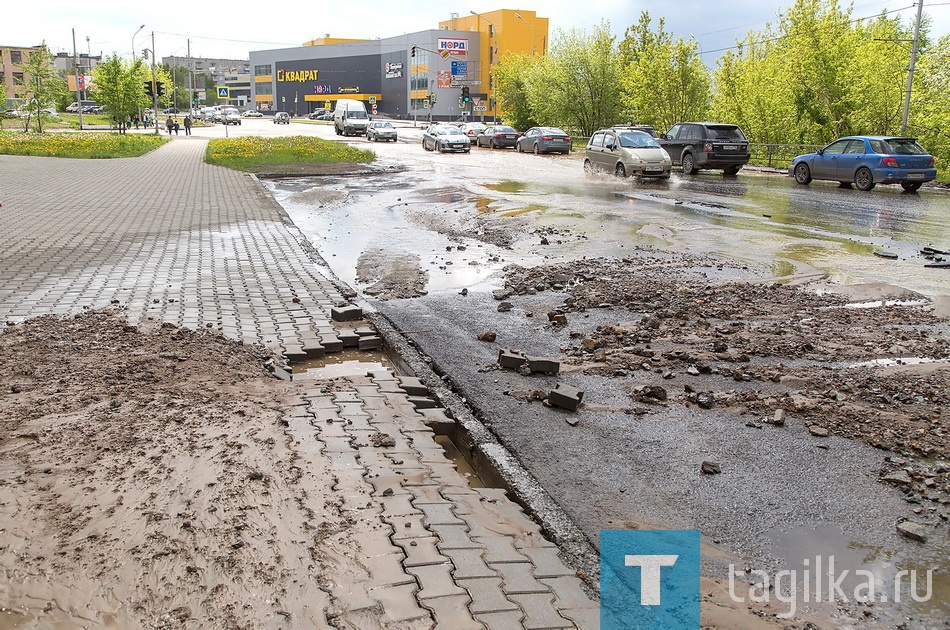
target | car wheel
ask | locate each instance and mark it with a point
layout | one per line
(537, 149)
(911, 186)
(620, 171)
(688, 165)
(518, 147)
(494, 145)
(802, 173)
(588, 166)
(863, 179)
(731, 171)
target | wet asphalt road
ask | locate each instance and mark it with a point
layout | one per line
(788, 500)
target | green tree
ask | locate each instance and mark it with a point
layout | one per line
(513, 74)
(44, 86)
(578, 84)
(930, 104)
(807, 80)
(665, 81)
(120, 87)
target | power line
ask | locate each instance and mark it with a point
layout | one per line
(778, 37)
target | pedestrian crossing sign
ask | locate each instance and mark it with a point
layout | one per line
(224, 91)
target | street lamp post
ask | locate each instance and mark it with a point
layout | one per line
(534, 34)
(133, 41)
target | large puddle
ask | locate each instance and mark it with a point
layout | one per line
(827, 570)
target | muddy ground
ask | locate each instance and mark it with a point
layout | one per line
(146, 480)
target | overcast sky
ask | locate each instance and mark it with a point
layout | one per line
(232, 29)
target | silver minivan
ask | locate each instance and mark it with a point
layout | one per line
(624, 151)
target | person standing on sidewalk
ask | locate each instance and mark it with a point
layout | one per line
(187, 122)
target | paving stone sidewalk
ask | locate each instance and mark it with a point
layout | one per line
(170, 237)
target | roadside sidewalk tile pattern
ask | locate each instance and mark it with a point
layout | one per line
(471, 556)
(172, 238)
(164, 235)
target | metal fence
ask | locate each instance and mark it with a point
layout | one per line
(778, 155)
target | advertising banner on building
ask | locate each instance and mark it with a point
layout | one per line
(453, 46)
(444, 79)
(393, 70)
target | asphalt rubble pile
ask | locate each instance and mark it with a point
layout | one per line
(762, 351)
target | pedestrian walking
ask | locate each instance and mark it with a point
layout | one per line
(176, 127)
(169, 125)
(187, 125)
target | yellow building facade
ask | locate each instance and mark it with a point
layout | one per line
(501, 32)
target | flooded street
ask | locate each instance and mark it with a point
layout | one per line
(688, 286)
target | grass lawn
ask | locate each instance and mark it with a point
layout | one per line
(287, 154)
(78, 145)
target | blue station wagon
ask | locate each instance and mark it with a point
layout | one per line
(867, 161)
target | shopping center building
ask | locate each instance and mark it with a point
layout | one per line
(418, 75)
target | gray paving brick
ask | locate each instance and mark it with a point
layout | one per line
(546, 562)
(499, 549)
(421, 551)
(399, 605)
(540, 612)
(487, 595)
(518, 578)
(469, 563)
(453, 537)
(583, 618)
(452, 612)
(569, 594)
(507, 620)
(435, 580)
(440, 514)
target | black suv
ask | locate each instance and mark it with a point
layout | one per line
(696, 146)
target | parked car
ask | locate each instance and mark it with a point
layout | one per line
(497, 137)
(706, 145)
(645, 128)
(281, 118)
(380, 130)
(252, 113)
(444, 138)
(544, 140)
(867, 161)
(472, 130)
(231, 116)
(627, 152)
(321, 114)
(170, 110)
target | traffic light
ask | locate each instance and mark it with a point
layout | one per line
(412, 52)
(465, 95)
(148, 88)
(160, 87)
(432, 97)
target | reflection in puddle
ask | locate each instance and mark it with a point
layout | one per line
(464, 467)
(519, 211)
(893, 362)
(342, 364)
(822, 557)
(508, 186)
(882, 303)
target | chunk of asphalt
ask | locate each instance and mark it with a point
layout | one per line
(566, 397)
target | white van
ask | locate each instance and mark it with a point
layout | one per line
(350, 117)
